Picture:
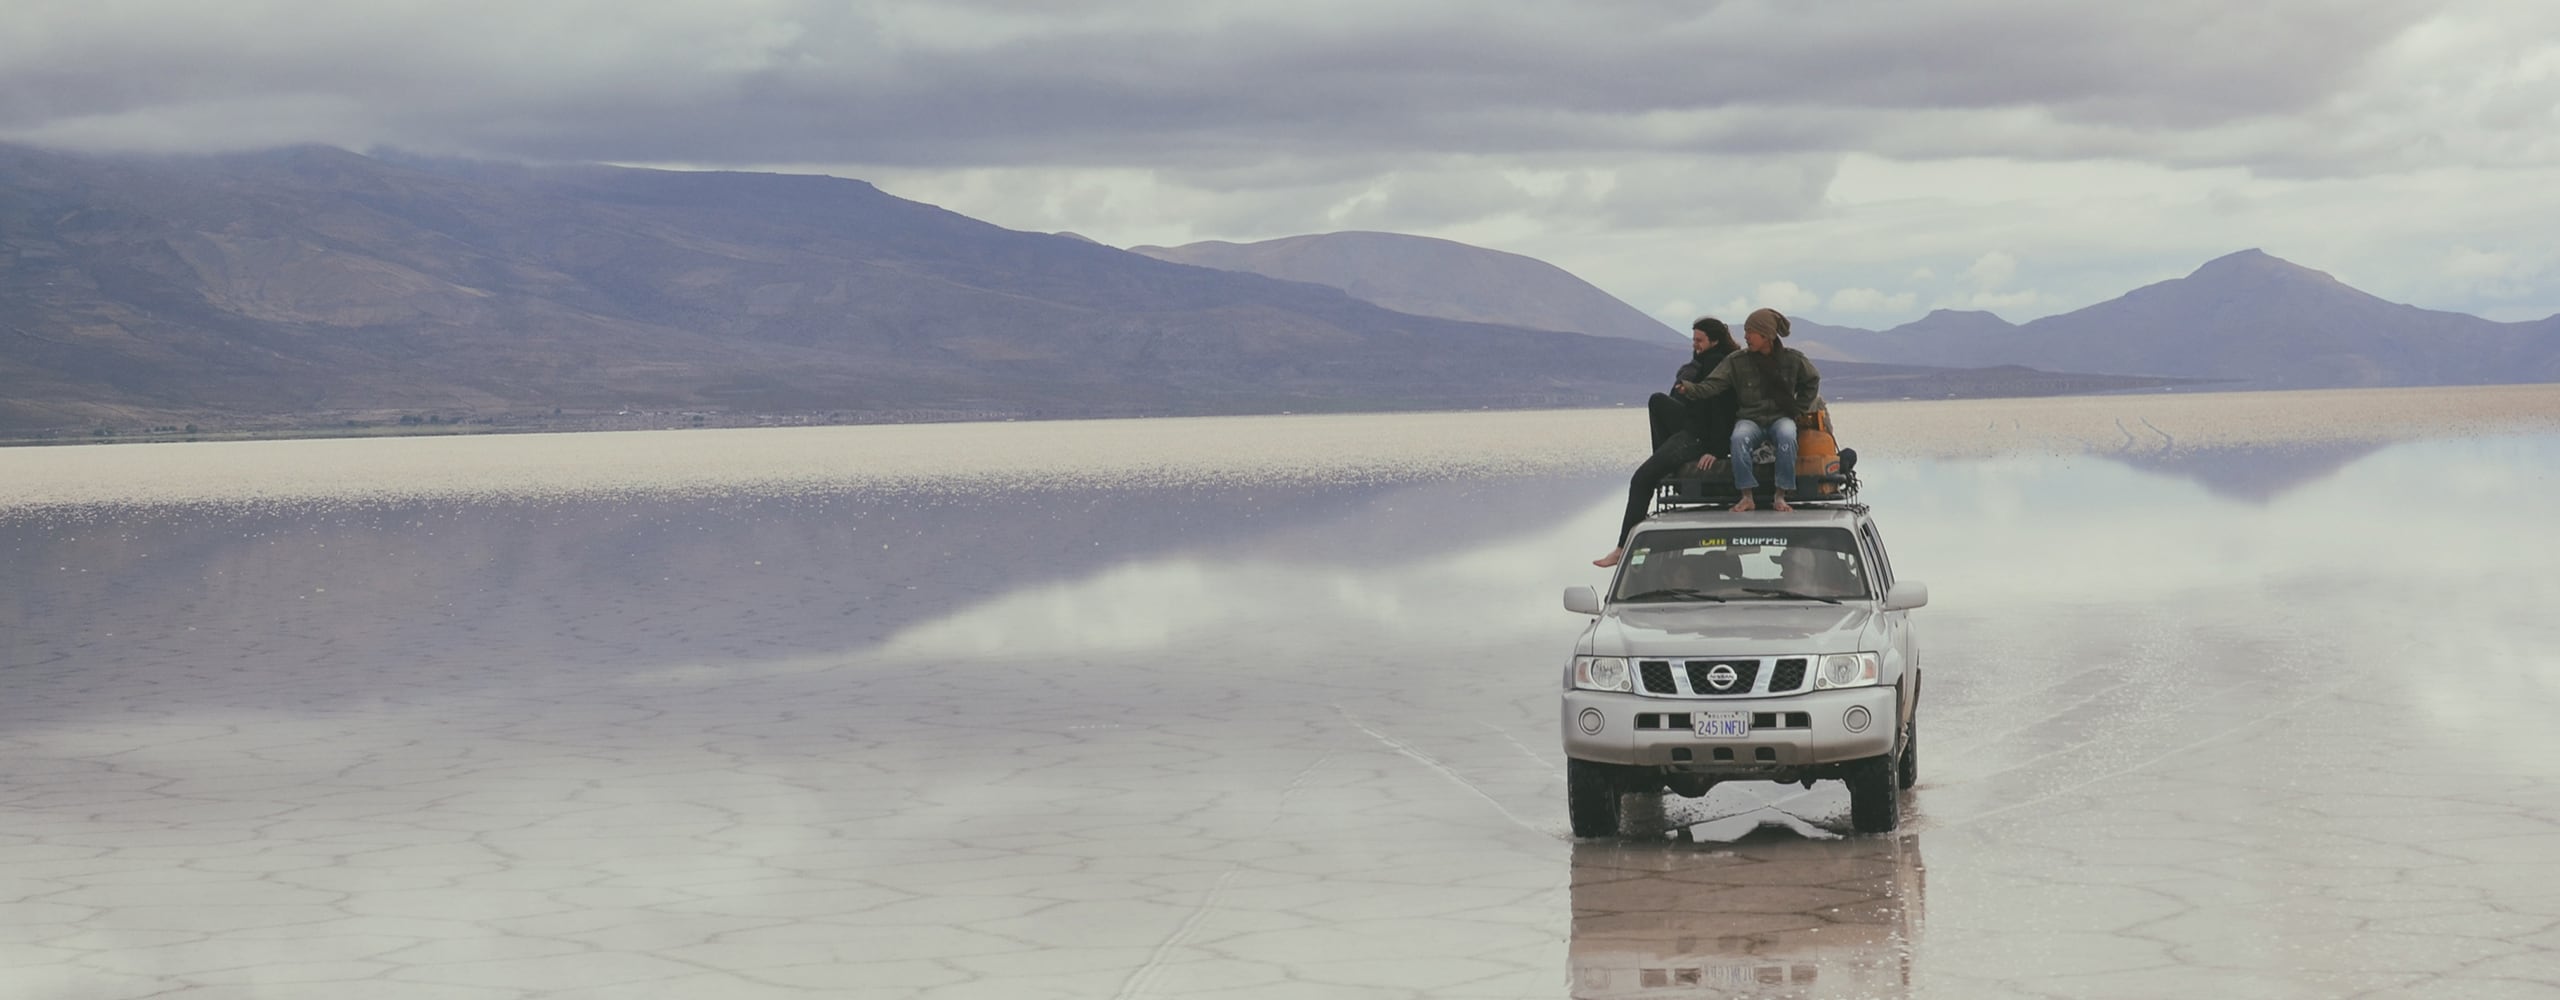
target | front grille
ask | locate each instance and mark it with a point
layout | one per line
(1789, 675)
(1701, 673)
(1752, 676)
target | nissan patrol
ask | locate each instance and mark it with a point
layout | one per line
(1757, 646)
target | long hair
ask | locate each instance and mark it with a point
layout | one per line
(1717, 333)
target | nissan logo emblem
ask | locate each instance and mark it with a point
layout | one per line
(1721, 676)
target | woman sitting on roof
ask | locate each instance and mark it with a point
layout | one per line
(1688, 426)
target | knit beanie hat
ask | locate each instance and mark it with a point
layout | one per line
(1768, 321)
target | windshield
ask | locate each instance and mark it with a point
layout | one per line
(1750, 564)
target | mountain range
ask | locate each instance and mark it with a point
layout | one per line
(2243, 320)
(305, 289)
(2247, 318)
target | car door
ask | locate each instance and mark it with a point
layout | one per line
(1900, 648)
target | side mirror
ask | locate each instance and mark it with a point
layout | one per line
(1586, 601)
(1906, 595)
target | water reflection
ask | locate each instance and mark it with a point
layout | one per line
(1434, 558)
(653, 581)
(1769, 915)
(2257, 474)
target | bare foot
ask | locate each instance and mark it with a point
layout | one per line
(1744, 504)
(1779, 502)
(1611, 559)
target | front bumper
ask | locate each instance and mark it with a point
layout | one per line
(1826, 739)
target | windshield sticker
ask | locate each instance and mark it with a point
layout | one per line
(1718, 543)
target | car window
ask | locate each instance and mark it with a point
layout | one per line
(1709, 564)
(1884, 563)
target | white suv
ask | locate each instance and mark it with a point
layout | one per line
(1758, 646)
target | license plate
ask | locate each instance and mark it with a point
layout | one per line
(1721, 725)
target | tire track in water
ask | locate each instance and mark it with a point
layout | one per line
(1141, 981)
(2250, 723)
(1544, 762)
(1450, 773)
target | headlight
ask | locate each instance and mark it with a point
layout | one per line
(1600, 673)
(1848, 670)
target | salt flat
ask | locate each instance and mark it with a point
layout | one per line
(2241, 695)
(1202, 450)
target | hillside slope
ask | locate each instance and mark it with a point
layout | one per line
(1433, 277)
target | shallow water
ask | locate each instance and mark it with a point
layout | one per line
(2229, 695)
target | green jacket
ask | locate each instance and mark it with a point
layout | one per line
(1740, 375)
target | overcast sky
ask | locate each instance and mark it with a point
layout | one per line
(1857, 162)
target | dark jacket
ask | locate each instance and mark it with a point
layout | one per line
(1710, 414)
(1799, 384)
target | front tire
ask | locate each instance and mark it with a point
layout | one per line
(1875, 795)
(1909, 773)
(1591, 795)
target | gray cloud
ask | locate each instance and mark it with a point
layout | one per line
(992, 83)
(1674, 151)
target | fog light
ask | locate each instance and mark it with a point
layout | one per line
(1856, 719)
(1590, 721)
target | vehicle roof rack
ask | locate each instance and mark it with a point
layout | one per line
(1690, 497)
(1691, 489)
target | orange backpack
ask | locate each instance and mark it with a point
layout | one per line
(1817, 453)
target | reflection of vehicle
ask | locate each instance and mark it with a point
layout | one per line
(1758, 646)
(1771, 916)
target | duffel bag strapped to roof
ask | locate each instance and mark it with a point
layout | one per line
(1817, 453)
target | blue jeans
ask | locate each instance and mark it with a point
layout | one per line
(1746, 436)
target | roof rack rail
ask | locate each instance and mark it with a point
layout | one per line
(1691, 489)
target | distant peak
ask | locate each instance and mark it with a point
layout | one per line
(304, 154)
(1940, 321)
(307, 150)
(2254, 262)
(1372, 235)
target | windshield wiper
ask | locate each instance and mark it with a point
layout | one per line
(1674, 594)
(1777, 592)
